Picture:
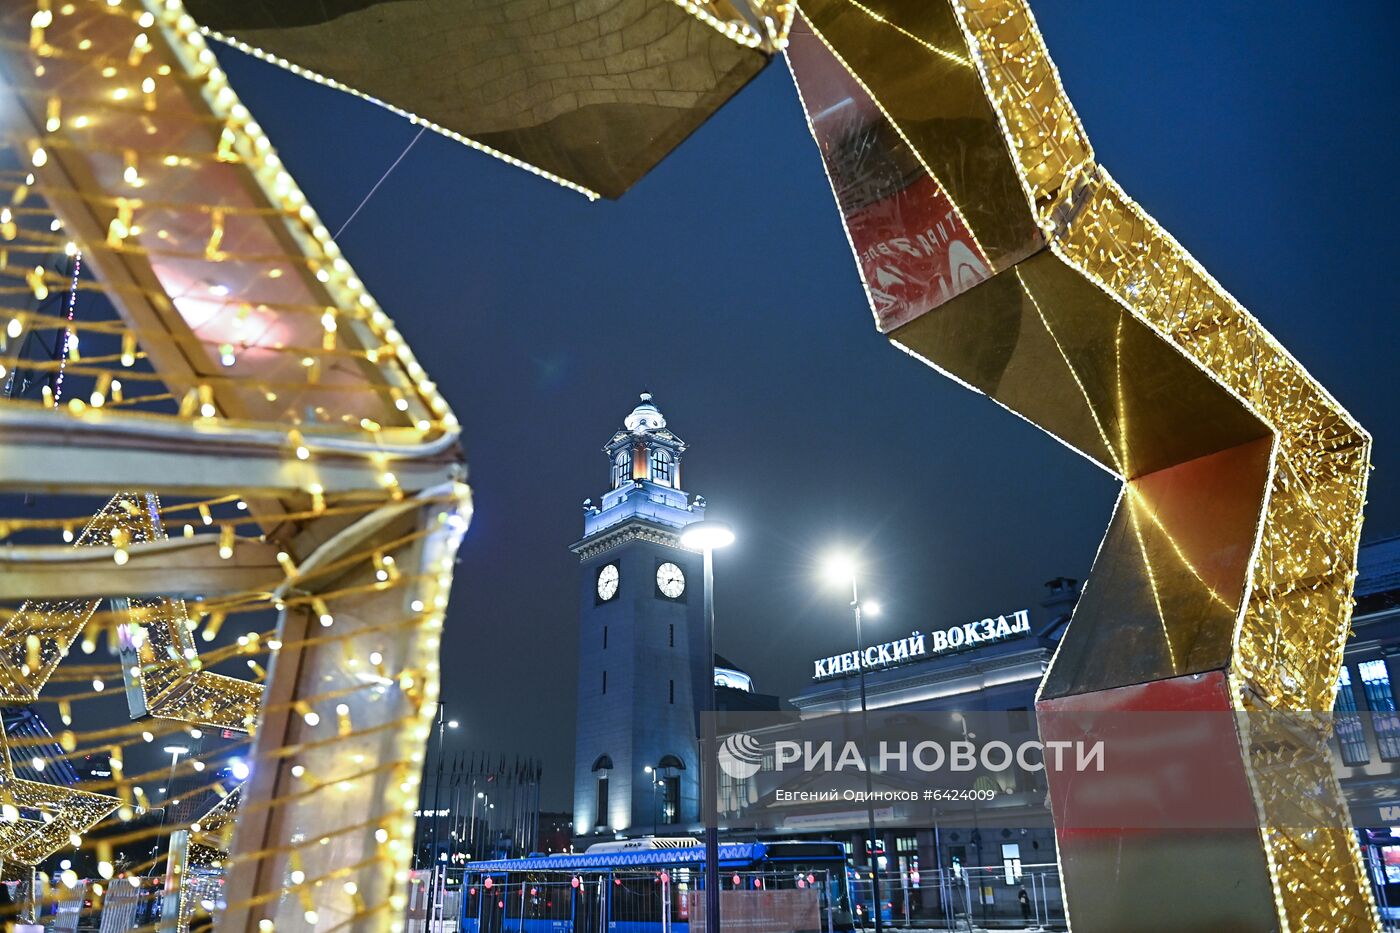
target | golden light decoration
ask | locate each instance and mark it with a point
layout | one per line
(199, 857)
(244, 361)
(159, 657)
(218, 350)
(994, 247)
(38, 819)
(160, 661)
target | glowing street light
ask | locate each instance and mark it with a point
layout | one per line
(841, 568)
(707, 537)
(654, 775)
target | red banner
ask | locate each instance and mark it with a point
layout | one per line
(914, 250)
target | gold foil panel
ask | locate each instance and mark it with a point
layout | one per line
(588, 94)
(1233, 546)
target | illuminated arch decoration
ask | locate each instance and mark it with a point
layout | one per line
(226, 357)
(995, 248)
(992, 246)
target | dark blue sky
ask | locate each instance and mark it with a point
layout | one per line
(1259, 136)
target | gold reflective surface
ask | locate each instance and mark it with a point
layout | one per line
(593, 94)
(993, 247)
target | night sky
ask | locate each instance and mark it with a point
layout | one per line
(722, 283)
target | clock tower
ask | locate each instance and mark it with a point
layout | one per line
(642, 666)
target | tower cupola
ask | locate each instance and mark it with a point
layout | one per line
(645, 451)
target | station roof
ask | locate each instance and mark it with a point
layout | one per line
(731, 854)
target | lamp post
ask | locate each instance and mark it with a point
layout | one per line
(651, 772)
(961, 720)
(842, 569)
(174, 751)
(480, 795)
(174, 891)
(443, 724)
(706, 536)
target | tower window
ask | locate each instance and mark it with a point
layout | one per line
(662, 465)
(605, 638)
(673, 692)
(670, 799)
(602, 801)
(619, 470)
(605, 681)
(672, 633)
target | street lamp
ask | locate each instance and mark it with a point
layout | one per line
(174, 751)
(650, 772)
(485, 806)
(841, 569)
(443, 724)
(706, 537)
(976, 840)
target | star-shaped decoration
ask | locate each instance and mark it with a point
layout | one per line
(37, 819)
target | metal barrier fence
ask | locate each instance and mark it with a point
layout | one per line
(964, 899)
(640, 901)
(86, 905)
(438, 911)
(968, 899)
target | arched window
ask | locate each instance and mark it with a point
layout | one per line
(619, 470)
(669, 784)
(600, 801)
(601, 766)
(661, 466)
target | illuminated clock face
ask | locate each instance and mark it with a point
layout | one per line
(670, 581)
(607, 582)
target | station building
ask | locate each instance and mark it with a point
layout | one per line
(1367, 724)
(644, 678)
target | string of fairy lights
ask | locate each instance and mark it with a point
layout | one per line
(228, 311)
(243, 314)
(1293, 625)
(65, 346)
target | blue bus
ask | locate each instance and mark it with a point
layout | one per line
(657, 886)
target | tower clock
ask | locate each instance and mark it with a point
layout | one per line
(643, 673)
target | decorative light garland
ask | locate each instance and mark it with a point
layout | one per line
(402, 430)
(68, 328)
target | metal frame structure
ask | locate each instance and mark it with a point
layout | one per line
(241, 359)
(992, 245)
